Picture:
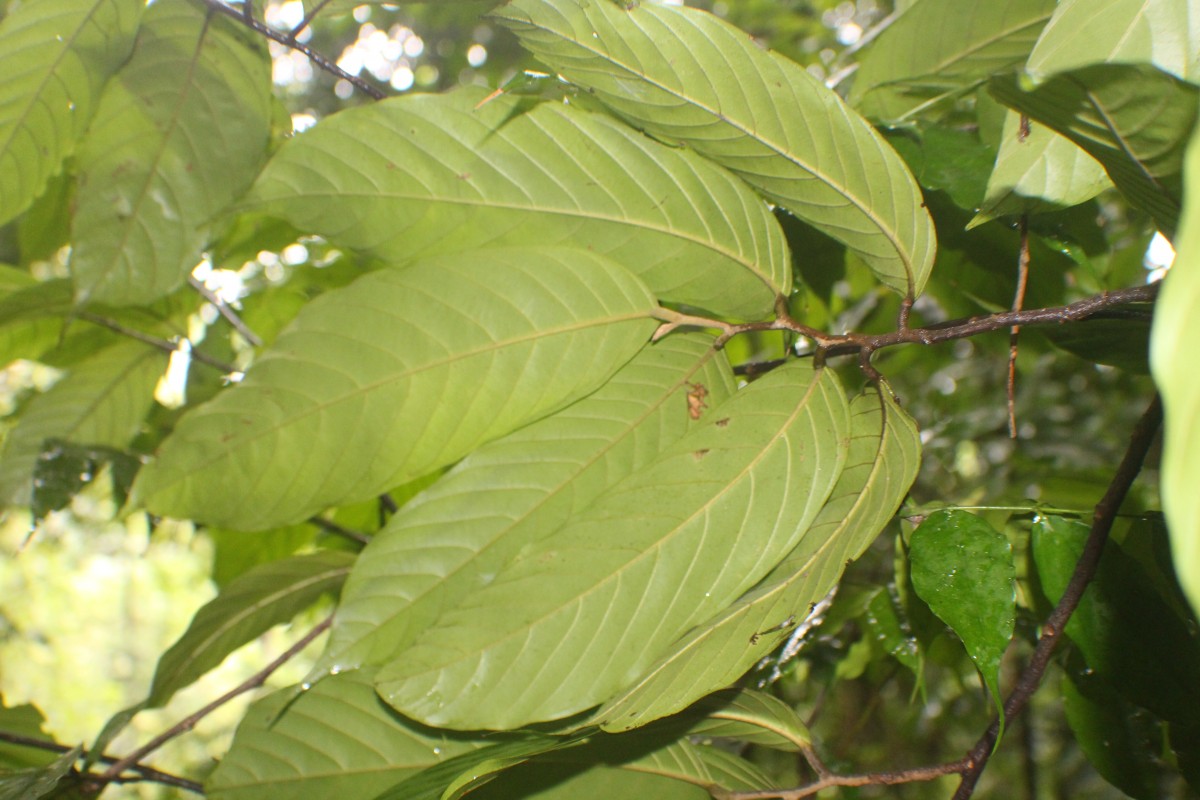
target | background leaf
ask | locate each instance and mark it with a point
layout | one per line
(938, 49)
(101, 401)
(335, 740)
(570, 620)
(1133, 119)
(248, 607)
(429, 174)
(963, 568)
(1176, 325)
(522, 488)
(882, 462)
(30, 784)
(758, 114)
(180, 132)
(58, 55)
(393, 376)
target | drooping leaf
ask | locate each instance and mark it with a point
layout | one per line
(574, 617)
(686, 76)
(397, 374)
(882, 463)
(1122, 626)
(245, 609)
(1134, 119)
(963, 568)
(101, 401)
(30, 784)
(57, 55)
(751, 716)
(519, 489)
(1176, 325)
(336, 740)
(433, 174)
(180, 131)
(1165, 33)
(939, 49)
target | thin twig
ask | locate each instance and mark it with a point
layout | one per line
(329, 526)
(162, 344)
(147, 773)
(888, 778)
(308, 18)
(282, 38)
(186, 724)
(1085, 570)
(1014, 333)
(225, 311)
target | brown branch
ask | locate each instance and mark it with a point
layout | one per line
(162, 344)
(1085, 570)
(329, 526)
(225, 311)
(1014, 333)
(287, 41)
(146, 773)
(886, 778)
(186, 724)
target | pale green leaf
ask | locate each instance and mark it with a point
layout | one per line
(180, 132)
(751, 716)
(1165, 33)
(249, 606)
(885, 452)
(101, 401)
(428, 174)
(1133, 119)
(452, 539)
(336, 740)
(939, 49)
(567, 781)
(1175, 331)
(1038, 172)
(687, 77)
(574, 617)
(400, 373)
(703, 766)
(55, 56)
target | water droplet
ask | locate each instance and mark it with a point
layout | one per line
(437, 751)
(304, 687)
(334, 670)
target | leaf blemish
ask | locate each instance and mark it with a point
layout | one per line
(699, 454)
(695, 399)
(722, 422)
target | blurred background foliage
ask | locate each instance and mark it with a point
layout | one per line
(130, 589)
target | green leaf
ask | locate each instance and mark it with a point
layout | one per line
(30, 784)
(248, 607)
(514, 491)
(556, 781)
(335, 740)
(1125, 630)
(180, 132)
(881, 465)
(568, 622)
(397, 374)
(57, 55)
(23, 720)
(884, 623)
(751, 716)
(1164, 33)
(1176, 326)
(62, 469)
(1134, 119)
(938, 49)
(428, 174)
(684, 76)
(101, 401)
(963, 568)
(1039, 172)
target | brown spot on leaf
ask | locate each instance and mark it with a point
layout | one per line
(695, 399)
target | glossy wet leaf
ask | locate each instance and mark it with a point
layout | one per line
(400, 373)
(1176, 325)
(963, 569)
(938, 49)
(429, 174)
(336, 740)
(57, 56)
(885, 452)
(517, 490)
(180, 131)
(570, 620)
(757, 113)
(249, 606)
(1134, 119)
